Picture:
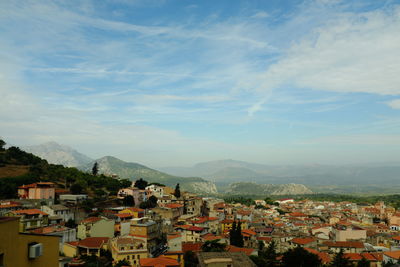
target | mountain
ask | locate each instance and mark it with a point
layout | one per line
(243, 188)
(58, 154)
(366, 176)
(133, 171)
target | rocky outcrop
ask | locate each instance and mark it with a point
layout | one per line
(270, 189)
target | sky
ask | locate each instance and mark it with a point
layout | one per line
(173, 83)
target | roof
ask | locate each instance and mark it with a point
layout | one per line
(393, 254)
(248, 232)
(344, 244)
(134, 209)
(173, 205)
(29, 212)
(58, 207)
(91, 220)
(191, 246)
(323, 256)
(235, 259)
(302, 241)
(195, 229)
(160, 261)
(93, 242)
(247, 251)
(49, 229)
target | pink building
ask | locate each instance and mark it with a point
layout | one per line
(41, 190)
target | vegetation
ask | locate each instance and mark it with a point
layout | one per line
(299, 257)
(40, 170)
(141, 184)
(190, 259)
(240, 199)
(95, 169)
(235, 235)
(266, 257)
(213, 246)
(340, 261)
(177, 192)
(150, 203)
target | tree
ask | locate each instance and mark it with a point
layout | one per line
(239, 236)
(261, 246)
(2, 144)
(340, 261)
(76, 189)
(190, 259)
(389, 263)
(270, 255)
(299, 257)
(213, 246)
(95, 169)
(122, 263)
(363, 263)
(70, 223)
(232, 234)
(141, 184)
(177, 192)
(129, 201)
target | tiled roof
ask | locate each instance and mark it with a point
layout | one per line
(393, 254)
(93, 242)
(191, 246)
(91, 220)
(195, 228)
(323, 256)
(134, 209)
(247, 251)
(302, 241)
(29, 212)
(344, 244)
(173, 205)
(160, 261)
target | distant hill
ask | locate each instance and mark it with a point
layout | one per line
(245, 188)
(224, 172)
(110, 165)
(55, 153)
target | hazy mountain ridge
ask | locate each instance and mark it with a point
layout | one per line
(111, 165)
(236, 171)
(58, 154)
(268, 189)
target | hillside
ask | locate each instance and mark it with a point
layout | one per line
(244, 188)
(55, 153)
(110, 165)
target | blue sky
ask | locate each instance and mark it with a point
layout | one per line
(177, 82)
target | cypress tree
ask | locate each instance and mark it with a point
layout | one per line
(239, 236)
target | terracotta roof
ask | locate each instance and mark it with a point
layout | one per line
(248, 232)
(29, 212)
(396, 238)
(160, 261)
(247, 251)
(134, 209)
(91, 220)
(169, 237)
(191, 246)
(173, 205)
(124, 215)
(302, 241)
(49, 229)
(195, 228)
(265, 238)
(93, 242)
(393, 254)
(344, 244)
(323, 256)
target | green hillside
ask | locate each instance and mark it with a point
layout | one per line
(110, 165)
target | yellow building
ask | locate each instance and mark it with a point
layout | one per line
(144, 228)
(30, 250)
(128, 248)
(226, 225)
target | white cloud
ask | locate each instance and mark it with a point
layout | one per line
(395, 104)
(260, 15)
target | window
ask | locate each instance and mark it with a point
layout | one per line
(128, 257)
(2, 260)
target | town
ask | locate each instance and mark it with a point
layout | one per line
(157, 225)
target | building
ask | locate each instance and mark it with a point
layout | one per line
(41, 190)
(146, 229)
(128, 248)
(25, 250)
(65, 234)
(59, 212)
(87, 246)
(96, 227)
(224, 259)
(72, 199)
(7, 206)
(135, 212)
(30, 218)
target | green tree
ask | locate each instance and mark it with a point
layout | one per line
(213, 246)
(299, 257)
(239, 236)
(141, 184)
(363, 263)
(270, 255)
(122, 263)
(190, 259)
(2, 144)
(261, 246)
(70, 223)
(177, 192)
(129, 201)
(95, 169)
(76, 188)
(232, 234)
(389, 263)
(340, 261)
(259, 261)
